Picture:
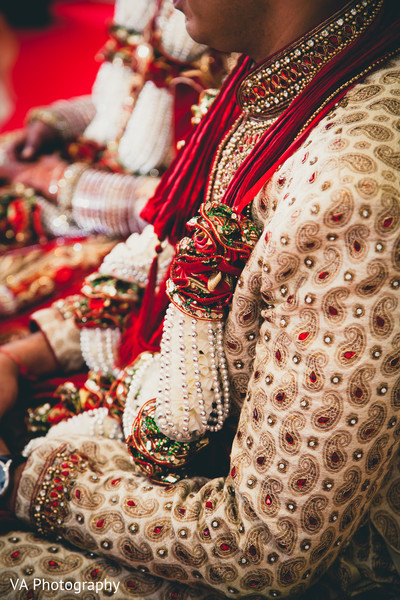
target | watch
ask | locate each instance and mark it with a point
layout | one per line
(7, 462)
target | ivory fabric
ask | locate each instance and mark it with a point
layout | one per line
(313, 346)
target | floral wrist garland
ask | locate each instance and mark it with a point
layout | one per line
(95, 393)
(105, 302)
(156, 455)
(207, 264)
(20, 217)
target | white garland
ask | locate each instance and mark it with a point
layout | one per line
(147, 140)
(175, 40)
(131, 260)
(99, 349)
(110, 93)
(134, 14)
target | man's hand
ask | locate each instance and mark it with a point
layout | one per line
(36, 139)
(37, 175)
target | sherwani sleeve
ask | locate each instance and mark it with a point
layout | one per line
(61, 334)
(313, 347)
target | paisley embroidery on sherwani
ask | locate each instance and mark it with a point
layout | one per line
(314, 325)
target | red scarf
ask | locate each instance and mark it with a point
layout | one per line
(183, 187)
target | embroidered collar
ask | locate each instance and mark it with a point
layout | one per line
(271, 86)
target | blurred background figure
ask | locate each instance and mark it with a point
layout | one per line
(88, 165)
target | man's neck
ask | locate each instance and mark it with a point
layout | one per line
(298, 17)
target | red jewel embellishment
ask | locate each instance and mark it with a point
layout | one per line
(280, 397)
(233, 472)
(260, 460)
(232, 345)
(323, 420)
(158, 529)
(100, 523)
(337, 217)
(313, 377)
(252, 550)
(323, 275)
(388, 222)
(131, 503)
(289, 439)
(225, 547)
(380, 322)
(278, 355)
(304, 335)
(94, 574)
(53, 563)
(333, 311)
(268, 500)
(312, 178)
(131, 584)
(348, 355)
(358, 393)
(115, 481)
(15, 555)
(357, 246)
(182, 511)
(209, 505)
(335, 458)
(370, 431)
(301, 482)
(206, 532)
(78, 494)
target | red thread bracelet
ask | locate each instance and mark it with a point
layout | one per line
(23, 370)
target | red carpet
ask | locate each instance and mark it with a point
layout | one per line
(57, 61)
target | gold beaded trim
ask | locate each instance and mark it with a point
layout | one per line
(50, 503)
(271, 87)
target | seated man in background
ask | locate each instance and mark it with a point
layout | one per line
(90, 164)
(279, 318)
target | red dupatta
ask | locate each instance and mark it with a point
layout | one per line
(183, 189)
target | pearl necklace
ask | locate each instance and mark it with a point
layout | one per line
(186, 410)
(272, 86)
(99, 349)
(147, 140)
